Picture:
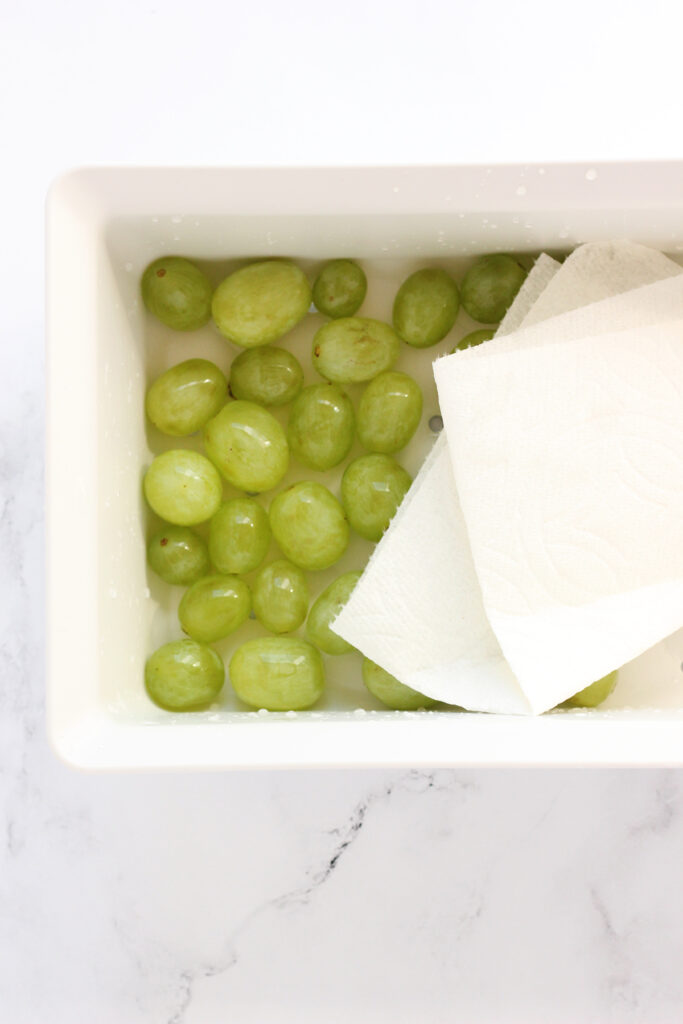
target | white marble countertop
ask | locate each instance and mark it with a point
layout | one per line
(482, 897)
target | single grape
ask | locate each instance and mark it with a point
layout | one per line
(339, 288)
(239, 536)
(184, 676)
(326, 609)
(266, 375)
(178, 555)
(389, 412)
(177, 293)
(373, 486)
(473, 339)
(354, 349)
(183, 487)
(183, 399)
(594, 694)
(321, 426)
(490, 286)
(425, 307)
(309, 525)
(259, 303)
(277, 673)
(248, 445)
(214, 607)
(387, 689)
(281, 597)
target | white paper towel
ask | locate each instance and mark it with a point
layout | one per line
(535, 285)
(418, 609)
(597, 270)
(568, 461)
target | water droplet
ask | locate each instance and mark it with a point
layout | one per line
(564, 233)
(176, 220)
(521, 190)
(436, 424)
(515, 220)
(485, 220)
(359, 711)
(461, 215)
(591, 174)
(263, 712)
(679, 248)
(155, 220)
(541, 170)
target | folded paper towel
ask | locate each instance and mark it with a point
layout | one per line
(573, 500)
(596, 271)
(418, 608)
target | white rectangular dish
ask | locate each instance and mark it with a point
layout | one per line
(104, 616)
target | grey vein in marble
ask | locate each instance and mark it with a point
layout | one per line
(345, 836)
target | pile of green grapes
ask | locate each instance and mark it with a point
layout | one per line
(245, 445)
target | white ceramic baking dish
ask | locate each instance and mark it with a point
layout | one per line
(104, 612)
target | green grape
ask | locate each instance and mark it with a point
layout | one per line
(326, 609)
(389, 412)
(178, 555)
(259, 303)
(177, 293)
(277, 673)
(239, 536)
(184, 398)
(354, 349)
(340, 288)
(248, 445)
(321, 426)
(594, 694)
(373, 486)
(281, 597)
(309, 525)
(266, 375)
(473, 339)
(184, 676)
(389, 691)
(214, 607)
(183, 487)
(490, 286)
(425, 307)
